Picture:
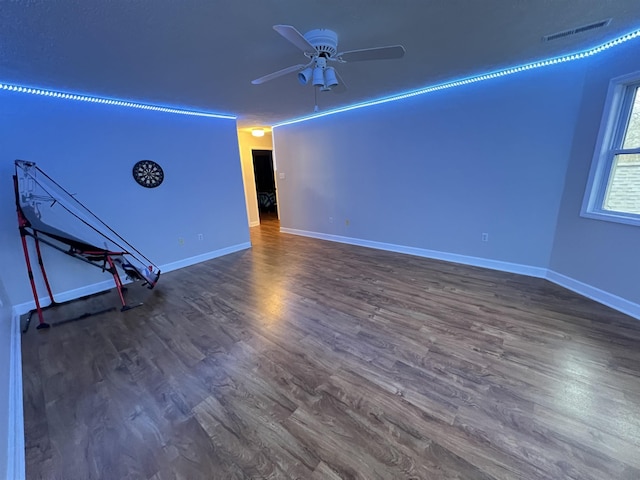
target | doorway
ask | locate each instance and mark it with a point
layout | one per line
(265, 184)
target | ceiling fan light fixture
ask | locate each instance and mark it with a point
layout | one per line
(330, 79)
(257, 132)
(305, 75)
(318, 77)
(320, 46)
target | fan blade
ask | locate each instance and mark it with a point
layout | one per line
(341, 87)
(279, 73)
(295, 37)
(378, 53)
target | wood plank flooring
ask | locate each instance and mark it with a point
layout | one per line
(307, 359)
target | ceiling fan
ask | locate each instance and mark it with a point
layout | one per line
(320, 46)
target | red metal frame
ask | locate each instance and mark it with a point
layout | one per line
(25, 230)
(41, 263)
(116, 279)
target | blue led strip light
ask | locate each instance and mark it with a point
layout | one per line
(107, 101)
(477, 78)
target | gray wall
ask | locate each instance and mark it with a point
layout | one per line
(509, 157)
(436, 171)
(598, 253)
(90, 150)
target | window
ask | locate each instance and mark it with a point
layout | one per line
(613, 191)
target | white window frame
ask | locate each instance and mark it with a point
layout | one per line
(617, 109)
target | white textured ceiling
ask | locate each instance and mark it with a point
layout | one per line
(204, 53)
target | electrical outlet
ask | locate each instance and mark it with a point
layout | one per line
(347, 222)
(485, 237)
(200, 236)
(330, 219)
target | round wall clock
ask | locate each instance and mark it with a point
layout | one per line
(148, 173)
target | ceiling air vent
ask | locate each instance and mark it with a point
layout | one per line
(574, 31)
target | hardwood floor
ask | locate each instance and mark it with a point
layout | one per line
(307, 359)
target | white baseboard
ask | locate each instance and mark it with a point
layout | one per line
(22, 308)
(609, 299)
(617, 303)
(15, 453)
(422, 252)
(255, 223)
(186, 262)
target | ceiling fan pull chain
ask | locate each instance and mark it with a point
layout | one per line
(315, 98)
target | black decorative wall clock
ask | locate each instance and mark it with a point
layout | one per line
(148, 173)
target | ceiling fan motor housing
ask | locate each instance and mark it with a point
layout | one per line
(325, 41)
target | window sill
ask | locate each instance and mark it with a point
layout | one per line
(612, 217)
